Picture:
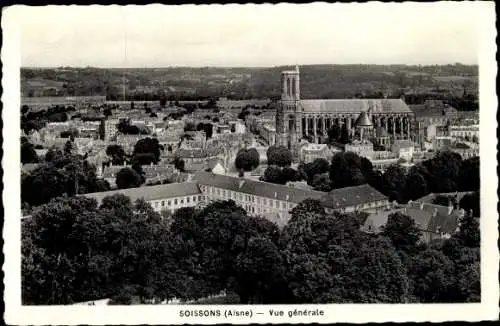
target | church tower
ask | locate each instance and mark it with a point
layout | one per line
(288, 113)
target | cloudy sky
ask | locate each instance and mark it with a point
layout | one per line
(249, 35)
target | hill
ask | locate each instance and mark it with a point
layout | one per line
(185, 83)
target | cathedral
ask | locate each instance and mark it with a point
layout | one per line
(298, 119)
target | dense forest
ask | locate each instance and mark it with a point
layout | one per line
(76, 250)
(317, 81)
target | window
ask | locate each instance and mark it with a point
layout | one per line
(188, 199)
(276, 204)
(253, 209)
(169, 203)
(258, 200)
(194, 198)
(182, 201)
(241, 197)
(156, 204)
(225, 193)
(265, 201)
(218, 192)
(162, 203)
(175, 201)
(199, 198)
(283, 205)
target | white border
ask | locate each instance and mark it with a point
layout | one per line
(356, 313)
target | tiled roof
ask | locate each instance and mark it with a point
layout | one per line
(351, 196)
(356, 105)
(257, 188)
(151, 192)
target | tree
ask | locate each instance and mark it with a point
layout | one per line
(60, 174)
(402, 231)
(107, 112)
(394, 180)
(469, 178)
(74, 251)
(415, 185)
(279, 155)
(179, 164)
(189, 126)
(247, 159)
(128, 178)
(148, 145)
(321, 254)
(443, 200)
(443, 171)
(206, 245)
(68, 147)
(258, 271)
(469, 234)
(471, 202)
(117, 154)
(321, 182)
(432, 276)
(273, 174)
(28, 153)
(346, 169)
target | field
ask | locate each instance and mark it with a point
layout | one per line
(184, 83)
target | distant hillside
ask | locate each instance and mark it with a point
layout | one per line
(184, 83)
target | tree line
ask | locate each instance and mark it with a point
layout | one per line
(445, 172)
(75, 250)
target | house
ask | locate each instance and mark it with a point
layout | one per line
(214, 165)
(357, 198)
(363, 148)
(161, 197)
(310, 152)
(403, 148)
(434, 221)
(256, 197)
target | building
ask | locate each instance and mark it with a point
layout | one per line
(310, 152)
(403, 149)
(161, 197)
(256, 197)
(442, 143)
(363, 148)
(296, 118)
(238, 127)
(212, 165)
(351, 199)
(467, 132)
(434, 221)
(382, 138)
(110, 128)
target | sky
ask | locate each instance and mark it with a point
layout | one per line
(248, 35)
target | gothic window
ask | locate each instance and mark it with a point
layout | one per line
(293, 87)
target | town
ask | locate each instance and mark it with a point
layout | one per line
(240, 183)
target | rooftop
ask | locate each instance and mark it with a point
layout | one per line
(151, 192)
(257, 188)
(356, 105)
(351, 196)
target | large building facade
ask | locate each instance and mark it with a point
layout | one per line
(297, 119)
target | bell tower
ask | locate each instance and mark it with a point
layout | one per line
(288, 114)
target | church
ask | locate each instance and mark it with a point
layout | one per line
(297, 119)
